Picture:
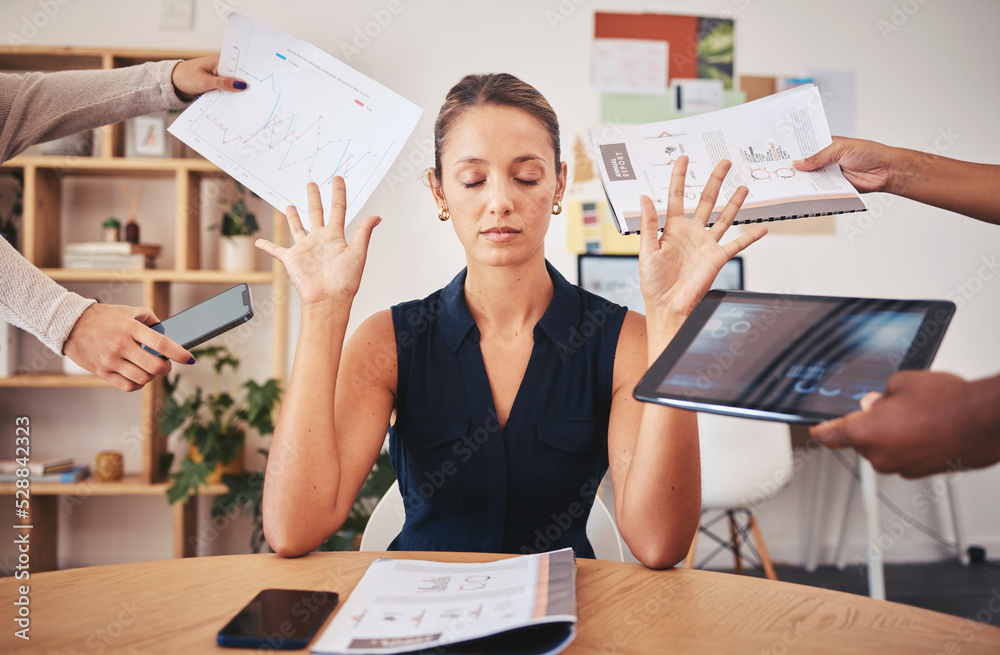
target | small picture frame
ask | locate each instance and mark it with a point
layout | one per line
(616, 277)
(146, 136)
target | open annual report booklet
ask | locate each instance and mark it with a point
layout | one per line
(523, 604)
(761, 138)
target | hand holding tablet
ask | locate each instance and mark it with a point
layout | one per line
(797, 359)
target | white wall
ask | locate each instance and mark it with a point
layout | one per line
(935, 73)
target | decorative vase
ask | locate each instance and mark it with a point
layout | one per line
(234, 467)
(238, 254)
(109, 466)
(132, 231)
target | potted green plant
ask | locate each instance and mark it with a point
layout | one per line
(111, 229)
(214, 424)
(237, 252)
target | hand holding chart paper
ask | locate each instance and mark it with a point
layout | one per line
(305, 117)
(761, 138)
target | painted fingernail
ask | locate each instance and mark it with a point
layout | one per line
(190, 360)
(239, 84)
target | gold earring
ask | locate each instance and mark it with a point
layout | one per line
(557, 207)
(443, 214)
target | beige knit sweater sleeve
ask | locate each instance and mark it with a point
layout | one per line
(40, 107)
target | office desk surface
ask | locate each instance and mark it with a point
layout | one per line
(177, 606)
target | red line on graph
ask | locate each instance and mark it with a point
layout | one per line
(345, 164)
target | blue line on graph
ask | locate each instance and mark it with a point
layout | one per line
(275, 107)
(312, 156)
(352, 165)
(282, 56)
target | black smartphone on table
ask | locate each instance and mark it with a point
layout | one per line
(208, 319)
(279, 619)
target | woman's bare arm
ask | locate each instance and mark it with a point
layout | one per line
(654, 451)
(333, 418)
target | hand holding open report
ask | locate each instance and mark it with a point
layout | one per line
(761, 138)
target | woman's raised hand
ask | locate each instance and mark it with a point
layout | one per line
(322, 266)
(677, 268)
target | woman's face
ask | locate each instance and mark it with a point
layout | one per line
(499, 182)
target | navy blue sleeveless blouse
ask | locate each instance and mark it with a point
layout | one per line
(467, 485)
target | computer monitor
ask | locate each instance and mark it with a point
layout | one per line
(616, 277)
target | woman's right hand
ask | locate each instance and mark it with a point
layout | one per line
(322, 266)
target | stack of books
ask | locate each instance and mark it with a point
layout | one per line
(52, 470)
(110, 254)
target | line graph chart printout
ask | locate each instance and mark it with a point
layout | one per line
(304, 117)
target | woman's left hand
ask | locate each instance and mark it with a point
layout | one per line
(677, 268)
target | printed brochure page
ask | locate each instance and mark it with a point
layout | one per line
(402, 606)
(760, 138)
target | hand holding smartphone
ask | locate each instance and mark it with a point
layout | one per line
(279, 619)
(207, 319)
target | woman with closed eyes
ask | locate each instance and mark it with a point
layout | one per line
(511, 387)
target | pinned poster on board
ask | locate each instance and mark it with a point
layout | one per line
(633, 66)
(698, 47)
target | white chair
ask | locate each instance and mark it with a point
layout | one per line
(744, 462)
(387, 520)
(868, 482)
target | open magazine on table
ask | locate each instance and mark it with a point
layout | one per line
(523, 604)
(761, 138)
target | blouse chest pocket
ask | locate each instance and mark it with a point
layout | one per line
(428, 432)
(434, 471)
(572, 453)
(576, 436)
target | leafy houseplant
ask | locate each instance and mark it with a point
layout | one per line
(214, 424)
(238, 221)
(237, 252)
(112, 229)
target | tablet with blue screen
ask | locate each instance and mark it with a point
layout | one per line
(796, 359)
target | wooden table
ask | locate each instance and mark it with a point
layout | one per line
(177, 606)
